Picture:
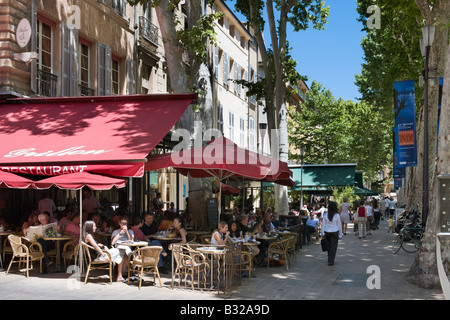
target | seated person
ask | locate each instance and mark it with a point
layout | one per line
(73, 229)
(178, 230)
(47, 245)
(242, 229)
(149, 226)
(117, 255)
(221, 235)
(267, 226)
(311, 226)
(275, 220)
(139, 235)
(233, 230)
(122, 234)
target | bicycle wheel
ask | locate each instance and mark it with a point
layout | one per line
(397, 243)
(414, 242)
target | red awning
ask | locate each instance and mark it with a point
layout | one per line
(110, 135)
(79, 180)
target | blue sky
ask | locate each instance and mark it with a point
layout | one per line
(332, 56)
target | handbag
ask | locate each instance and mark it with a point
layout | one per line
(324, 244)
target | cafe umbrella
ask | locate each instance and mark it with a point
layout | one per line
(14, 181)
(221, 158)
(77, 181)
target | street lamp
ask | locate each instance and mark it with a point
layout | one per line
(425, 46)
(302, 153)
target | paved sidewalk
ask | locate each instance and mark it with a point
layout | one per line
(309, 278)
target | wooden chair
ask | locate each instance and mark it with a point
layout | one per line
(145, 260)
(96, 263)
(278, 249)
(24, 254)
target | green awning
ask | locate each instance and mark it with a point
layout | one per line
(361, 191)
(323, 177)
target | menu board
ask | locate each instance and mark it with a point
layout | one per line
(213, 212)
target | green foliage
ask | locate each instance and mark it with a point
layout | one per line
(348, 192)
(337, 131)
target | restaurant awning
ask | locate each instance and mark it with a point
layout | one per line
(323, 177)
(109, 135)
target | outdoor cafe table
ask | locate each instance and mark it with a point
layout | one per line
(58, 249)
(217, 256)
(132, 243)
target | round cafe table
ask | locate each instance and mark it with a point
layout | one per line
(132, 243)
(58, 249)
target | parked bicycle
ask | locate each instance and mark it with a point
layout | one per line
(410, 235)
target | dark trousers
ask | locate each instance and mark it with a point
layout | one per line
(332, 238)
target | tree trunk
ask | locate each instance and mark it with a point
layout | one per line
(424, 272)
(179, 83)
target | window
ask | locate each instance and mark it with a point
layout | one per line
(220, 118)
(216, 62)
(115, 76)
(44, 47)
(251, 133)
(231, 126)
(242, 132)
(45, 80)
(84, 65)
(119, 6)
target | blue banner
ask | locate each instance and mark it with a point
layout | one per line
(405, 123)
(398, 172)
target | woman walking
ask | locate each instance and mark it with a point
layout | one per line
(332, 230)
(344, 212)
(361, 214)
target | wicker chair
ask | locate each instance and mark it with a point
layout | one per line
(95, 263)
(69, 252)
(145, 260)
(280, 249)
(24, 254)
(188, 262)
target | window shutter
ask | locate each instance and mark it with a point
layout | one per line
(101, 69)
(69, 61)
(226, 68)
(236, 71)
(131, 76)
(216, 62)
(104, 69)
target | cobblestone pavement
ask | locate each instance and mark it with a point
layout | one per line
(365, 269)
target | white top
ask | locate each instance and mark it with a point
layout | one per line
(369, 210)
(391, 205)
(344, 207)
(331, 226)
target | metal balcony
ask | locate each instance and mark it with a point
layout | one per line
(148, 30)
(46, 83)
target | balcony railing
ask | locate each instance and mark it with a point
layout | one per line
(46, 83)
(148, 30)
(86, 91)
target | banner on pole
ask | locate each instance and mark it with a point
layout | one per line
(405, 123)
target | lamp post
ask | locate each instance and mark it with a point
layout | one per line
(302, 153)
(425, 46)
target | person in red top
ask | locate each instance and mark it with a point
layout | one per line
(361, 215)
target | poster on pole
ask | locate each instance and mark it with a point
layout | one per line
(398, 172)
(405, 123)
